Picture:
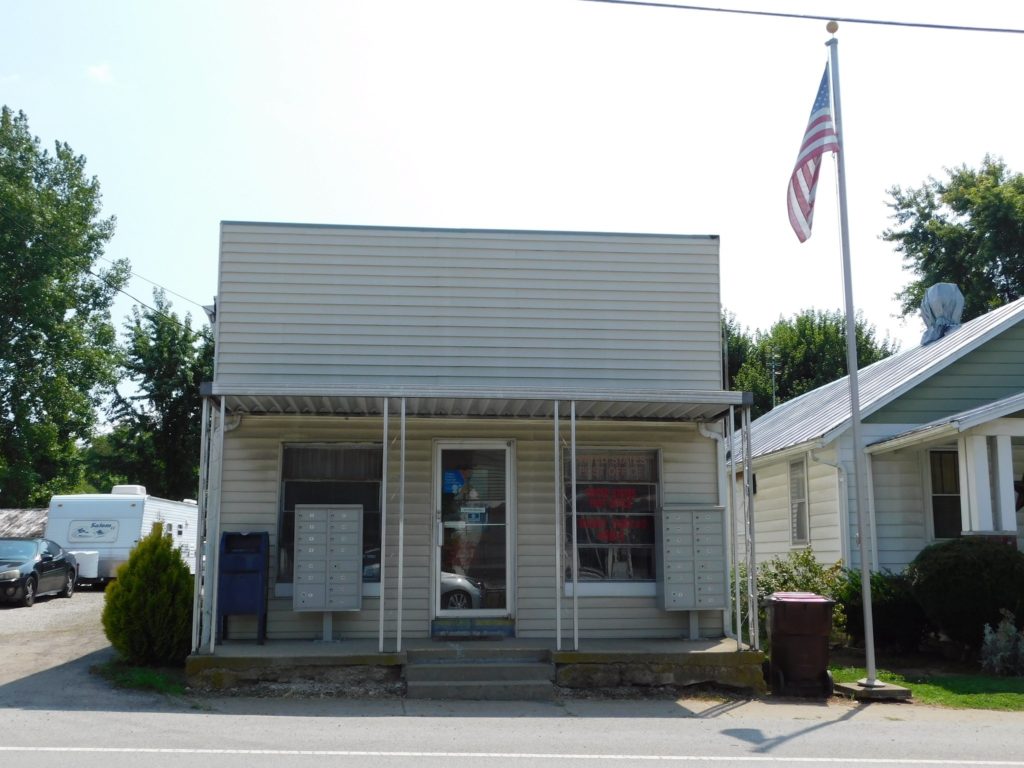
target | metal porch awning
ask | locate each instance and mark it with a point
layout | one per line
(630, 405)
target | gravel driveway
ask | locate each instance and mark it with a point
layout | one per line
(46, 651)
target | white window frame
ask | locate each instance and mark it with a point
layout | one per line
(929, 494)
(287, 588)
(615, 588)
(806, 500)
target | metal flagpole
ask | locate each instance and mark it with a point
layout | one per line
(860, 494)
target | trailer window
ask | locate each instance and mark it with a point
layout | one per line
(330, 474)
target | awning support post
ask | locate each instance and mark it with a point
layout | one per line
(575, 536)
(401, 528)
(558, 538)
(383, 526)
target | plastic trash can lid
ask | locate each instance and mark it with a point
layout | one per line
(802, 597)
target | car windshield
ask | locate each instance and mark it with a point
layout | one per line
(17, 549)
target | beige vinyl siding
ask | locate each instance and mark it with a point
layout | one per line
(317, 306)
(251, 502)
(993, 371)
(900, 507)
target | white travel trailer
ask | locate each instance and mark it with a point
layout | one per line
(102, 528)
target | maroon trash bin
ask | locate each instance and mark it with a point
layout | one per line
(799, 626)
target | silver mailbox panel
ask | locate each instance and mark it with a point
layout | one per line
(691, 569)
(328, 557)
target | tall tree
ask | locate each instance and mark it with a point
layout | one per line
(967, 229)
(57, 344)
(803, 353)
(155, 441)
(738, 344)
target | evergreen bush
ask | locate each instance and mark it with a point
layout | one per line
(963, 585)
(898, 620)
(147, 615)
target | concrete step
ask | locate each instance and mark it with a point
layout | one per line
(476, 650)
(480, 690)
(480, 671)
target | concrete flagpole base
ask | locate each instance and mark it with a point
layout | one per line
(877, 691)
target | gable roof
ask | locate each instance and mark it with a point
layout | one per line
(823, 413)
(951, 425)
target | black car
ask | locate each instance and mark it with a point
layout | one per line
(32, 567)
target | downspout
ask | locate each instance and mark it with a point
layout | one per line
(841, 494)
(723, 500)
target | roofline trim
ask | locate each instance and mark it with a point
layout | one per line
(1011, 319)
(464, 231)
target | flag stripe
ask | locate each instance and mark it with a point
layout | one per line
(819, 137)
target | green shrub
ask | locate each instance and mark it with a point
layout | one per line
(799, 571)
(147, 615)
(1002, 650)
(898, 620)
(963, 585)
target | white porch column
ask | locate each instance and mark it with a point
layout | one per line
(1003, 478)
(975, 493)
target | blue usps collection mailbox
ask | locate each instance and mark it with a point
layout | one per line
(242, 579)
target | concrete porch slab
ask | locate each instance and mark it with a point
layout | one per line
(596, 663)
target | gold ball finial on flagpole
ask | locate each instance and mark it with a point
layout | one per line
(832, 27)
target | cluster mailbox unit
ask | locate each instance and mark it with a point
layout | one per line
(691, 574)
(328, 558)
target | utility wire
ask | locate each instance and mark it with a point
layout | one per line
(811, 17)
(164, 315)
(29, 234)
(161, 287)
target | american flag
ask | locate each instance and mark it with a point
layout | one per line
(819, 138)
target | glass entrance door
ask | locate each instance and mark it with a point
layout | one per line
(473, 530)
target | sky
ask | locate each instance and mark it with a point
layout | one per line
(514, 114)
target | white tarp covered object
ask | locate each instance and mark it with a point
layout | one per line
(941, 310)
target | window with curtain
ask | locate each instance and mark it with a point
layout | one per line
(617, 497)
(798, 513)
(330, 474)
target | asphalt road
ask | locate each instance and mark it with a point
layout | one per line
(55, 713)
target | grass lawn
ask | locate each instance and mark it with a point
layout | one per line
(168, 681)
(954, 690)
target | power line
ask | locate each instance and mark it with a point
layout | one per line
(164, 315)
(158, 285)
(811, 17)
(172, 318)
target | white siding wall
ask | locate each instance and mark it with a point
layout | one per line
(772, 529)
(311, 307)
(824, 509)
(900, 507)
(1018, 472)
(772, 522)
(251, 502)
